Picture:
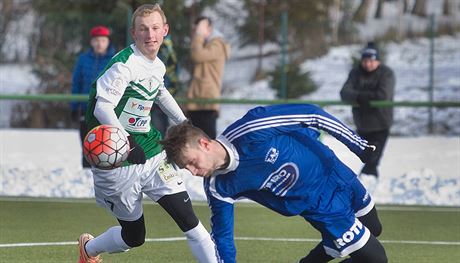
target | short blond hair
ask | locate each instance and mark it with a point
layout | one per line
(147, 9)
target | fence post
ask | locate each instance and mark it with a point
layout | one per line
(283, 78)
(431, 75)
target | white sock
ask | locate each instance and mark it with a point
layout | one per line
(201, 244)
(110, 241)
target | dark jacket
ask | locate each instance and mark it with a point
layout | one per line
(369, 86)
(88, 67)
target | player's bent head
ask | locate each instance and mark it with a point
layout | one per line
(178, 138)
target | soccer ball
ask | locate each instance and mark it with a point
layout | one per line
(106, 147)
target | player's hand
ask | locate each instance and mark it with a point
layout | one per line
(368, 153)
(136, 153)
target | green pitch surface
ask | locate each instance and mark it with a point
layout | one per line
(38, 230)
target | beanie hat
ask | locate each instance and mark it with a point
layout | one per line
(100, 31)
(370, 51)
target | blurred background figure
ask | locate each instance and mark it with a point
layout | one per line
(209, 51)
(369, 81)
(167, 54)
(89, 66)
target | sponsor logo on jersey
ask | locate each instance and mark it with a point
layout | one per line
(366, 196)
(167, 172)
(272, 155)
(112, 91)
(137, 121)
(133, 123)
(282, 180)
(355, 231)
(138, 107)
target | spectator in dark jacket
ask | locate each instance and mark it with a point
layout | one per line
(89, 65)
(371, 81)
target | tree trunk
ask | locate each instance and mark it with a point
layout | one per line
(335, 19)
(419, 8)
(361, 13)
(260, 38)
(446, 8)
(405, 6)
(6, 11)
(379, 11)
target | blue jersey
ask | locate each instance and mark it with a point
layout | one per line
(277, 161)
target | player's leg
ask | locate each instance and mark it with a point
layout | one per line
(364, 208)
(179, 207)
(372, 222)
(317, 255)
(365, 211)
(372, 252)
(121, 196)
(167, 188)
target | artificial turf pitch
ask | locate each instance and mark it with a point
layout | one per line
(45, 230)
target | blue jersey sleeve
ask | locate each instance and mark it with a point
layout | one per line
(262, 123)
(221, 226)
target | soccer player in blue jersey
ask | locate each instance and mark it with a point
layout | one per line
(272, 156)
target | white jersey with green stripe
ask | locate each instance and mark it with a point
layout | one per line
(131, 83)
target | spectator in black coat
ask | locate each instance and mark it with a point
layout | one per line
(370, 81)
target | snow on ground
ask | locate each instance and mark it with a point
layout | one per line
(14, 79)
(47, 163)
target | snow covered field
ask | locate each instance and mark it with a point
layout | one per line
(423, 170)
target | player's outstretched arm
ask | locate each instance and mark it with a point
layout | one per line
(265, 122)
(169, 106)
(222, 221)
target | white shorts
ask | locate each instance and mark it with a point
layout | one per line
(121, 190)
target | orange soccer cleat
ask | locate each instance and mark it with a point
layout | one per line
(84, 257)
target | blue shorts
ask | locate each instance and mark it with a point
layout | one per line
(336, 217)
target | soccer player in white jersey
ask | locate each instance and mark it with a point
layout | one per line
(123, 96)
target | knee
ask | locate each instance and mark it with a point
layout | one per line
(381, 258)
(133, 232)
(134, 238)
(187, 222)
(376, 229)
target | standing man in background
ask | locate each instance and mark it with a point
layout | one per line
(371, 80)
(209, 52)
(88, 67)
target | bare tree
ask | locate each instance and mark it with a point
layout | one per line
(419, 8)
(6, 15)
(260, 38)
(335, 20)
(446, 8)
(379, 11)
(362, 11)
(405, 6)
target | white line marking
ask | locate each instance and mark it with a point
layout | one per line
(172, 239)
(245, 203)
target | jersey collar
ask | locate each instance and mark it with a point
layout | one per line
(232, 153)
(138, 53)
